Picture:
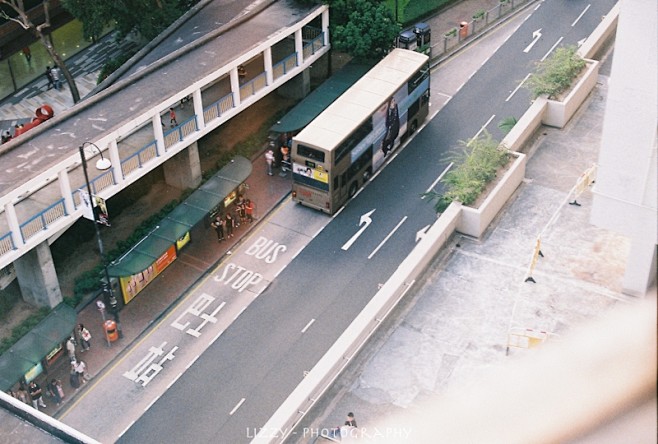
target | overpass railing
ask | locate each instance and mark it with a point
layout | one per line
(137, 160)
(41, 221)
(284, 66)
(314, 45)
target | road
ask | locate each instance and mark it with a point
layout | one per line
(224, 384)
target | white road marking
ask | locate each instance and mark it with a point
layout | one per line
(364, 222)
(552, 48)
(308, 325)
(236, 407)
(126, 429)
(581, 15)
(438, 179)
(381, 244)
(484, 127)
(518, 87)
(238, 315)
(152, 402)
(216, 337)
(192, 362)
(174, 381)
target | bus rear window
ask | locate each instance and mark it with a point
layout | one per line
(310, 153)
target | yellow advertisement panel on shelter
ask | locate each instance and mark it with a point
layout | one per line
(132, 285)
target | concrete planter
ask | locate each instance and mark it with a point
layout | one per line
(558, 113)
(474, 221)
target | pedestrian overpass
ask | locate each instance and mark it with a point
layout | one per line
(42, 175)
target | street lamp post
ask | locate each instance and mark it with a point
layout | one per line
(102, 164)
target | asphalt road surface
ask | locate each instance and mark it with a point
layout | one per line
(240, 379)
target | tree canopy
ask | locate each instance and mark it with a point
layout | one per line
(363, 28)
(147, 17)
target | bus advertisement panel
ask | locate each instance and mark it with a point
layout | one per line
(339, 151)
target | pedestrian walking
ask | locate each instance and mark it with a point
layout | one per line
(172, 118)
(70, 348)
(49, 76)
(85, 338)
(57, 77)
(249, 210)
(36, 395)
(218, 224)
(269, 158)
(56, 390)
(230, 224)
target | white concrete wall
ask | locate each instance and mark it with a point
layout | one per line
(474, 221)
(626, 190)
(558, 113)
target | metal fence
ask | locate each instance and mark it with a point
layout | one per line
(453, 38)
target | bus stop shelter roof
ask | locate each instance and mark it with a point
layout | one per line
(324, 95)
(34, 346)
(182, 218)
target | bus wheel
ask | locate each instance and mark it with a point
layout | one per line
(353, 189)
(366, 176)
(414, 127)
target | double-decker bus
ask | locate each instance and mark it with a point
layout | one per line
(336, 154)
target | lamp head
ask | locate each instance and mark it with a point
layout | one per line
(103, 164)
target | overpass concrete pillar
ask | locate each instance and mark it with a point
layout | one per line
(37, 277)
(184, 169)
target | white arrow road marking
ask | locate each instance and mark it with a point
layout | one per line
(364, 223)
(535, 36)
(381, 244)
(422, 232)
(580, 16)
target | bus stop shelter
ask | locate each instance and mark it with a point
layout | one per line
(157, 249)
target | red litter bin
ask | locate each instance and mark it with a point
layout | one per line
(111, 330)
(463, 30)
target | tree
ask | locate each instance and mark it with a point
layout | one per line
(95, 15)
(41, 32)
(147, 17)
(369, 31)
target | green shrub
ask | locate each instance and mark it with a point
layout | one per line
(555, 74)
(477, 164)
(23, 328)
(507, 124)
(112, 65)
(414, 11)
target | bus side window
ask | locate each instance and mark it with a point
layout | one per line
(336, 182)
